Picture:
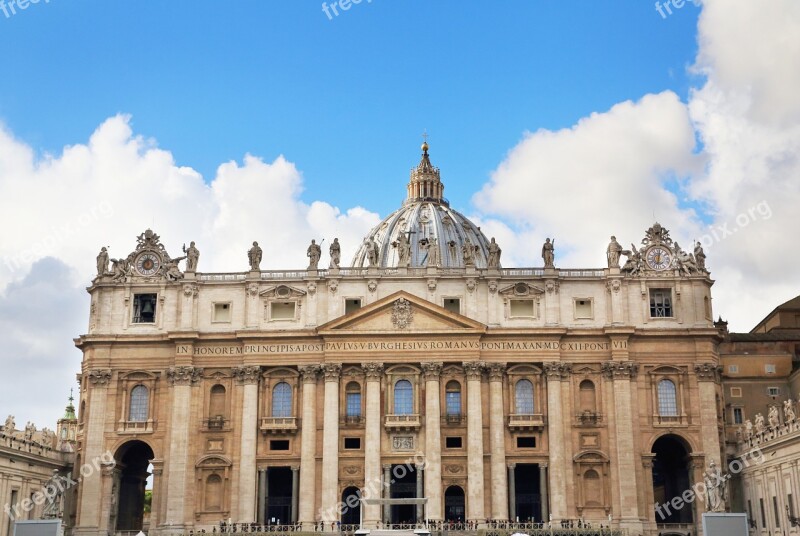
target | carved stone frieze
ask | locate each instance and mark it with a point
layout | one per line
(492, 286)
(248, 374)
(312, 288)
(190, 291)
(432, 371)
(613, 286)
(372, 286)
(432, 285)
(402, 313)
(473, 370)
(309, 373)
(333, 286)
(471, 284)
(252, 289)
(496, 371)
(707, 372)
(620, 369)
(402, 443)
(373, 371)
(556, 370)
(99, 376)
(331, 371)
(185, 375)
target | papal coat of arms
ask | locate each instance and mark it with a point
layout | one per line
(402, 313)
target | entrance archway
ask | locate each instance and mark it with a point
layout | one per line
(671, 479)
(454, 508)
(403, 486)
(351, 509)
(133, 459)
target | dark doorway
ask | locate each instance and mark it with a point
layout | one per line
(528, 495)
(133, 459)
(670, 478)
(454, 510)
(279, 496)
(351, 509)
(403, 486)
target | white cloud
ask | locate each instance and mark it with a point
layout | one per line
(63, 208)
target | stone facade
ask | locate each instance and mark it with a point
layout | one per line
(495, 393)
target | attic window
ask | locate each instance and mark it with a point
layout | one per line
(351, 304)
(522, 309)
(453, 305)
(583, 308)
(222, 312)
(282, 310)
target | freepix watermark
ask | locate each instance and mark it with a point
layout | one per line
(665, 8)
(10, 7)
(55, 488)
(718, 232)
(332, 9)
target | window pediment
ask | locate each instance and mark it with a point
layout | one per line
(282, 292)
(520, 289)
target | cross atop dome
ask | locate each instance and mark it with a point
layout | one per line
(425, 183)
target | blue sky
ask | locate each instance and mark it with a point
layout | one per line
(345, 99)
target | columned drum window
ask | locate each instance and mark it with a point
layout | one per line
(667, 399)
(282, 400)
(403, 398)
(453, 398)
(353, 401)
(523, 393)
(140, 399)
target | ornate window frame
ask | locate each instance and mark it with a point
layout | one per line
(592, 460)
(223, 378)
(526, 422)
(126, 383)
(679, 377)
(213, 464)
(282, 294)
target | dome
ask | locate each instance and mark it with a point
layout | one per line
(425, 221)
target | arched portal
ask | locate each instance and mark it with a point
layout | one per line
(671, 479)
(454, 509)
(133, 459)
(351, 506)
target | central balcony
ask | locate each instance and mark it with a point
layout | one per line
(278, 425)
(525, 421)
(402, 422)
(136, 427)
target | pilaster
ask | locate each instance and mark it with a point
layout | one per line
(308, 446)
(330, 444)
(433, 441)
(497, 442)
(248, 377)
(475, 486)
(372, 438)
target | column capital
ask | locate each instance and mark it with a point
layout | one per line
(707, 372)
(474, 369)
(249, 374)
(511, 465)
(432, 370)
(387, 467)
(556, 370)
(99, 376)
(373, 371)
(186, 375)
(619, 370)
(309, 373)
(332, 371)
(295, 468)
(496, 371)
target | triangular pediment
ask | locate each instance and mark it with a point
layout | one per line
(400, 313)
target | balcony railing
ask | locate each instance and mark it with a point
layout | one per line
(769, 434)
(525, 421)
(402, 422)
(216, 423)
(453, 419)
(351, 420)
(589, 418)
(670, 420)
(279, 425)
(136, 427)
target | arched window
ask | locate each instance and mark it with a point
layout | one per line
(453, 398)
(216, 407)
(214, 493)
(403, 398)
(282, 400)
(588, 402)
(523, 393)
(353, 400)
(667, 399)
(140, 398)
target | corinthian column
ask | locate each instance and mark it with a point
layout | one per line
(308, 446)
(555, 432)
(372, 440)
(181, 379)
(330, 443)
(497, 443)
(433, 441)
(475, 489)
(248, 377)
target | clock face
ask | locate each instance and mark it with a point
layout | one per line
(659, 258)
(148, 264)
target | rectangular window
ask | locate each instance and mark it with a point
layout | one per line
(733, 369)
(282, 310)
(763, 514)
(144, 308)
(526, 442)
(736, 392)
(352, 443)
(279, 444)
(351, 304)
(774, 391)
(354, 405)
(777, 513)
(738, 416)
(660, 303)
(521, 309)
(453, 305)
(769, 369)
(453, 403)
(583, 308)
(222, 312)
(452, 442)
